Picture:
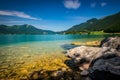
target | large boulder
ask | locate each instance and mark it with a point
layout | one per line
(107, 68)
(112, 42)
(95, 60)
(84, 54)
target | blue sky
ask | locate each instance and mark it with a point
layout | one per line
(56, 15)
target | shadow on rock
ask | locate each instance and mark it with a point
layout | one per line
(70, 63)
(103, 75)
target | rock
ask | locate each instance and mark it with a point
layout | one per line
(85, 72)
(57, 73)
(38, 75)
(34, 76)
(1, 62)
(112, 42)
(89, 43)
(28, 56)
(84, 54)
(4, 67)
(63, 69)
(93, 43)
(77, 43)
(23, 71)
(12, 74)
(71, 65)
(109, 64)
(24, 78)
(98, 63)
(84, 66)
(20, 62)
(103, 75)
(68, 46)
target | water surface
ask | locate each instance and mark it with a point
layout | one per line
(22, 54)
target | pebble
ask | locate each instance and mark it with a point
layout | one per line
(4, 67)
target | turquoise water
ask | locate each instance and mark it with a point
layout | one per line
(16, 39)
(25, 52)
(48, 43)
(43, 43)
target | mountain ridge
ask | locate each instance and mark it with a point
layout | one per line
(22, 29)
(109, 24)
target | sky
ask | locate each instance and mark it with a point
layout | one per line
(55, 15)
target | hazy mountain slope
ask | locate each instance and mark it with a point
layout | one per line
(111, 23)
(22, 29)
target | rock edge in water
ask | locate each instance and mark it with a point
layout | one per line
(90, 43)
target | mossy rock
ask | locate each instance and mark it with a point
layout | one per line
(89, 43)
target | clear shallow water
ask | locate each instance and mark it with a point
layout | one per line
(43, 43)
(22, 54)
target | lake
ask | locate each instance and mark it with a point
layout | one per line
(23, 54)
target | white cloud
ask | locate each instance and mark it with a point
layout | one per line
(103, 4)
(72, 4)
(93, 5)
(79, 19)
(17, 14)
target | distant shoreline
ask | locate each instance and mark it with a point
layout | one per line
(93, 33)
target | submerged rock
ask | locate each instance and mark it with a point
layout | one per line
(55, 75)
(4, 67)
(90, 43)
(35, 75)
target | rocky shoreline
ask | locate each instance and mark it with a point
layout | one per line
(87, 63)
(81, 61)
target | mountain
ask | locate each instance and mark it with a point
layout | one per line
(109, 24)
(22, 29)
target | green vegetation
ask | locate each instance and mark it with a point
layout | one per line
(97, 32)
(86, 32)
(22, 29)
(109, 24)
